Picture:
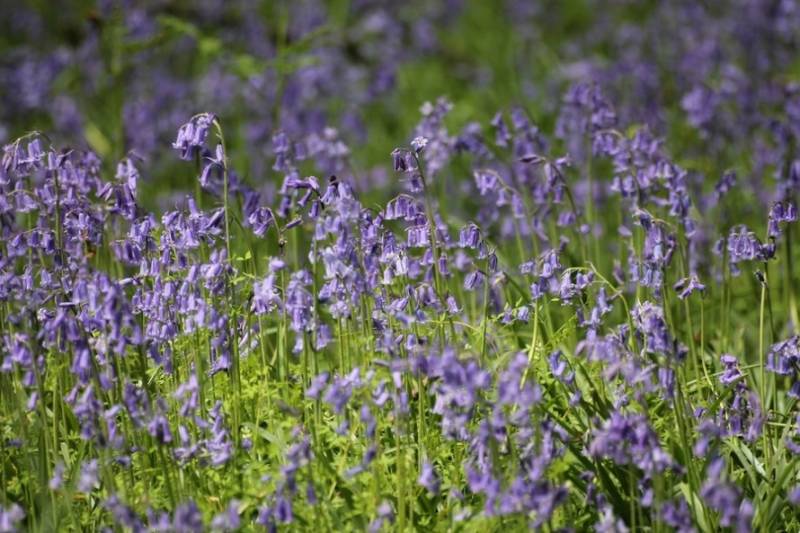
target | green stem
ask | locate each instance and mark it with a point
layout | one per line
(485, 313)
(762, 366)
(437, 281)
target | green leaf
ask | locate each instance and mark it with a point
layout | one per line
(696, 505)
(178, 25)
(97, 140)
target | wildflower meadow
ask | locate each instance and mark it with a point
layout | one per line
(366, 265)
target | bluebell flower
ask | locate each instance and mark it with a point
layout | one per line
(89, 476)
(783, 358)
(227, 520)
(687, 286)
(188, 518)
(726, 498)
(11, 516)
(192, 135)
(428, 478)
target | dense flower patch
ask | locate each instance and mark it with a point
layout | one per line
(586, 324)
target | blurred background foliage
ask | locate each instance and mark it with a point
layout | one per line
(120, 76)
